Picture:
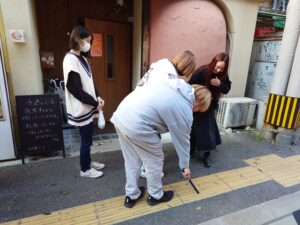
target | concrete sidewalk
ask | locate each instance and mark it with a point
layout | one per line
(101, 143)
(251, 181)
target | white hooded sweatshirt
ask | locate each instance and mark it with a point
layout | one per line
(163, 104)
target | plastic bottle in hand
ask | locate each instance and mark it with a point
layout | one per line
(101, 120)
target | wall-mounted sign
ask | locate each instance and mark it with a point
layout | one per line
(17, 36)
(47, 59)
(96, 50)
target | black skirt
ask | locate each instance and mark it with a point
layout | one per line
(205, 134)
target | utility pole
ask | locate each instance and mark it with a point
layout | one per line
(283, 109)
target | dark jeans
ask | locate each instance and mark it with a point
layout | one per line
(86, 140)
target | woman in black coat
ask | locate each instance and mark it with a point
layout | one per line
(205, 134)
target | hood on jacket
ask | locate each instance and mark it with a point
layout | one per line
(164, 66)
(163, 71)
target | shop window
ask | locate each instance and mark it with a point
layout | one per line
(110, 65)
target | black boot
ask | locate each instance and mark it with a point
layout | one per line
(207, 161)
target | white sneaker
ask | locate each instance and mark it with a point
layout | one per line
(97, 166)
(143, 173)
(91, 173)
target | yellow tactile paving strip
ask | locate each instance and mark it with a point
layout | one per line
(243, 177)
(285, 171)
(262, 160)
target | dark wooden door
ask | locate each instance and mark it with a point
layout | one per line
(111, 65)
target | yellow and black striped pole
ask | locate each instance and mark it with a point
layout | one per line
(283, 111)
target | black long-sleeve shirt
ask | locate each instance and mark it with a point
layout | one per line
(199, 77)
(74, 86)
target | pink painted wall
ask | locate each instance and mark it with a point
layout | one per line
(195, 25)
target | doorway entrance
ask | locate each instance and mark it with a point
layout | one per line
(7, 150)
(111, 61)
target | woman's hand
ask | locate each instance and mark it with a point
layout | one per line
(186, 173)
(215, 82)
(100, 103)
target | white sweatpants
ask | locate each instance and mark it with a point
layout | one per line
(135, 151)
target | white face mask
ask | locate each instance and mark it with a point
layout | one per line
(86, 47)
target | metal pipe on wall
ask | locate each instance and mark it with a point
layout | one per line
(288, 48)
(293, 89)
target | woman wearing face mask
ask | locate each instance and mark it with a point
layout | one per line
(82, 100)
(205, 133)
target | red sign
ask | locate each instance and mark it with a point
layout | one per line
(96, 49)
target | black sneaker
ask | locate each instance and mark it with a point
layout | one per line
(168, 195)
(129, 203)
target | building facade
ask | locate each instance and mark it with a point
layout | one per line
(131, 34)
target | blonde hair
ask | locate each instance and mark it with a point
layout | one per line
(184, 63)
(202, 98)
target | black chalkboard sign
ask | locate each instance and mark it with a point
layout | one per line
(40, 123)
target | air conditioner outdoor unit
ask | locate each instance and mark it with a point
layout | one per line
(236, 112)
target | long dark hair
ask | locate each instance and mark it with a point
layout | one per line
(223, 76)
